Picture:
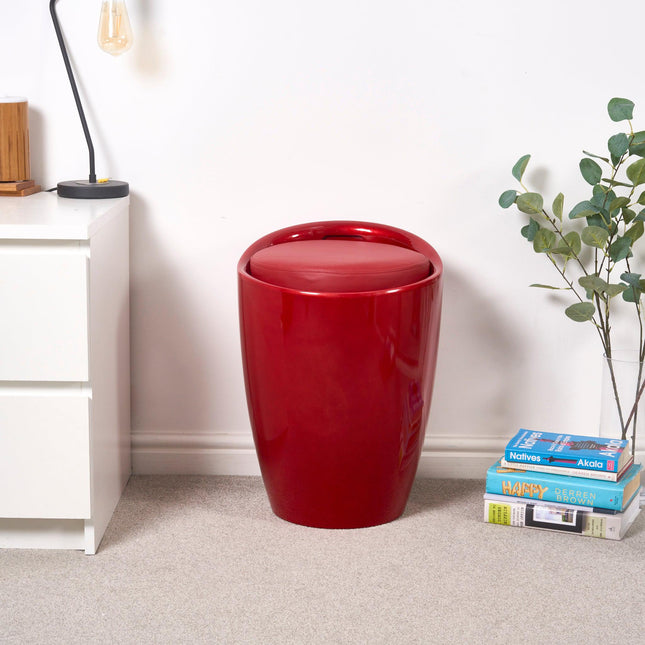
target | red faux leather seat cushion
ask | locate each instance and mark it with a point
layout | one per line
(338, 265)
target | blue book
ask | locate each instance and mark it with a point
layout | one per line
(567, 451)
(545, 487)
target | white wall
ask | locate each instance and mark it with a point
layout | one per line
(231, 119)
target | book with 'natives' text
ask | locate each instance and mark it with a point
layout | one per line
(536, 448)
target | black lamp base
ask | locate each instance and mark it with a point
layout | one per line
(83, 189)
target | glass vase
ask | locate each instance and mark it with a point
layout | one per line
(622, 402)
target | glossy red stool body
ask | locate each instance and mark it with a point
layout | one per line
(339, 384)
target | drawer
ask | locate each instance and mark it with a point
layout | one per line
(44, 455)
(43, 313)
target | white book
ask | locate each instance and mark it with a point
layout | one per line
(568, 518)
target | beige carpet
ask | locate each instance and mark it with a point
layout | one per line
(203, 560)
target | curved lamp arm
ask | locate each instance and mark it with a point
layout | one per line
(92, 189)
(72, 81)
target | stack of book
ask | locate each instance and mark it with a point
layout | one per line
(571, 483)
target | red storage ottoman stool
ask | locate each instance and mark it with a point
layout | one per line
(339, 324)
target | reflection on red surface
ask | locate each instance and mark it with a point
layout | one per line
(339, 385)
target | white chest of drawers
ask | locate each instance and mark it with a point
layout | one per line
(64, 369)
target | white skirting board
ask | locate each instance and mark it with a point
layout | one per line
(203, 453)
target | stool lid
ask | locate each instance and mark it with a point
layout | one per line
(334, 265)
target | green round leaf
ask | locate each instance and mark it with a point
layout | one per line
(591, 171)
(507, 198)
(632, 295)
(634, 288)
(619, 202)
(593, 283)
(637, 144)
(636, 172)
(570, 245)
(520, 167)
(558, 206)
(581, 311)
(632, 279)
(543, 240)
(573, 242)
(620, 109)
(602, 195)
(530, 230)
(620, 249)
(595, 236)
(635, 231)
(613, 290)
(530, 203)
(618, 144)
(583, 209)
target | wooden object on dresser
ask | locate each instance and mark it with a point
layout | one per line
(15, 170)
(18, 188)
(64, 369)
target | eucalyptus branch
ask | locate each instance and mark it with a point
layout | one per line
(565, 242)
(604, 205)
(599, 327)
(565, 278)
(639, 394)
(604, 323)
(610, 228)
(641, 343)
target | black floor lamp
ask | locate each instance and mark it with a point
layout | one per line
(115, 37)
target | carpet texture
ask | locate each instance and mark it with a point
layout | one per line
(203, 560)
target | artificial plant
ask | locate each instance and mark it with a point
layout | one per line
(593, 247)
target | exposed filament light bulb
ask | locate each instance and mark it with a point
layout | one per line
(115, 33)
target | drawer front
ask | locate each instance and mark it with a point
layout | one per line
(44, 456)
(43, 316)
